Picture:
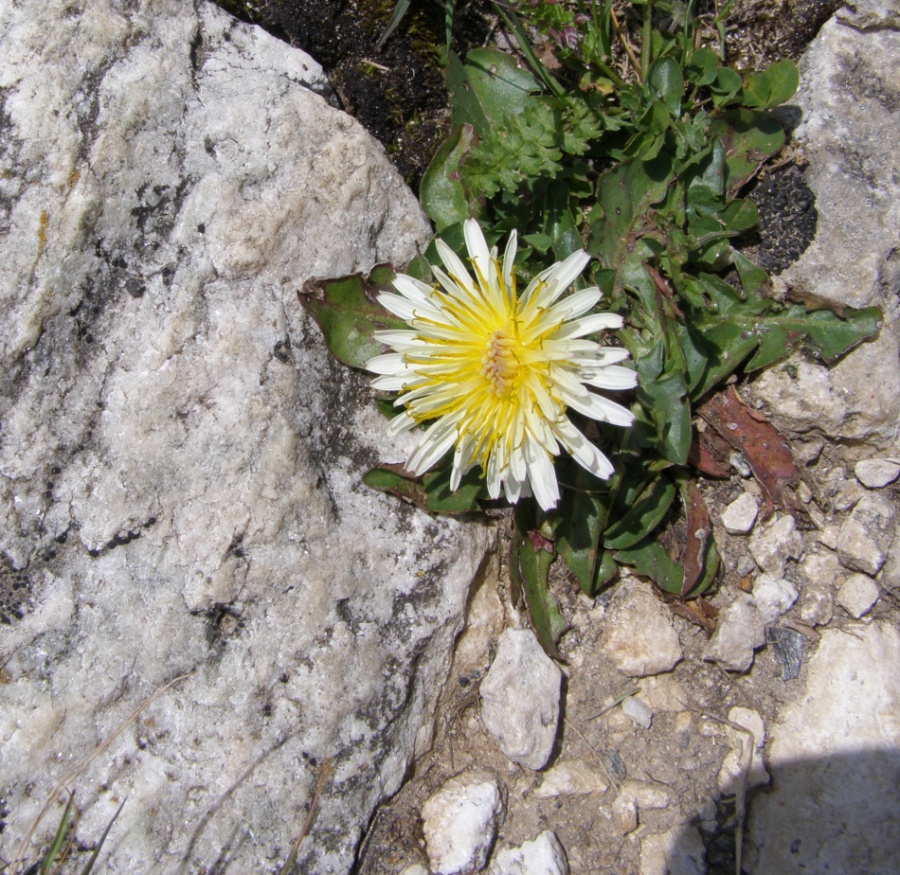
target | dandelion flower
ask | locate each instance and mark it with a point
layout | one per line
(497, 371)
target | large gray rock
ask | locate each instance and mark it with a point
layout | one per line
(180, 459)
(834, 758)
(848, 97)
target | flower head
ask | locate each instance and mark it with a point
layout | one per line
(496, 371)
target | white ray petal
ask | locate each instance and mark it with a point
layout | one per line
(400, 423)
(602, 409)
(575, 304)
(390, 382)
(541, 474)
(411, 288)
(388, 363)
(590, 324)
(454, 265)
(477, 247)
(582, 450)
(609, 377)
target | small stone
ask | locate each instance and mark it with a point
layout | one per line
(849, 493)
(739, 517)
(877, 473)
(787, 647)
(822, 567)
(775, 543)
(739, 632)
(735, 760)
(460, 823)
(745, 565)
(889, 578)
(415, 869)
(625, 813)
(680, 851)
(816, 605)
(639, 636)
(774, 597)
(830, 536)
(572, 778)
(543, 856)
(638, 711)
(858, 595)
(520, 699)
(867, 535)
(646, 794)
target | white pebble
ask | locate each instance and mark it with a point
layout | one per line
(460, 823)
(739, 517)
(774, 596)
(520, 699)
(638, 711)
(876, 473)
(858, 595)
(543, 856)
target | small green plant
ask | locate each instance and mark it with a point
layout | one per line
(623, 133)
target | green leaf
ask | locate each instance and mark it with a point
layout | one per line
(530, 570)
(667, 83)
(649, 559)
(725, 86)
(644, 515)
(771, 87)
(829, 335)
(490, 87)
(431, 492)
(581, 517)
(703, 66)
(348, 313)
(750, 139)
(441, 192)
(625, 193)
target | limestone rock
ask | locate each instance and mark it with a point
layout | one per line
(680, 851)
(834, 758)
(774, 597)
(460, 823)
(739, 632)
(572, 778)
(849, 88)
(739, 517)
(647, 794)
(625, 813)
(181, 459)
(744, 762)
(542, 856)
(637, 711)
(858, 595)
(867, 535)
(877, 473)
(520, 699)
(774, 543)
(639, 636)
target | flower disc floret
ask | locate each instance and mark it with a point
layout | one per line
(496, 371)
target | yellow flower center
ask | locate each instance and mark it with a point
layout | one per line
(499, 363)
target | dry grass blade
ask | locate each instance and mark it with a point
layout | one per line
(54, 793)
(96, 851)
(323, 774)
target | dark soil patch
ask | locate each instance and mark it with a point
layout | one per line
(396, 92)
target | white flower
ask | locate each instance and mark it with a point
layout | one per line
(497, 371)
